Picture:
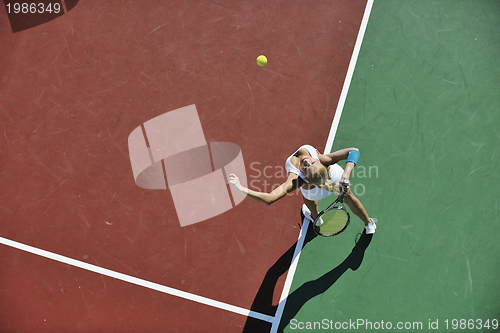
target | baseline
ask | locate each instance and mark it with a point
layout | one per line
(136, 281)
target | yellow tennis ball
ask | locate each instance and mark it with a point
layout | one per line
(261, 60)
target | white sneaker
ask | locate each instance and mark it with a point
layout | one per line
(370, 228)
(319, 222)
(307, 213)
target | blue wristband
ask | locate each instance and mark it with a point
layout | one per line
(353, 156)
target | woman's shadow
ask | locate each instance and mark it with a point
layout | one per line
(263, 302)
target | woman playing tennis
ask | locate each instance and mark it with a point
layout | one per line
(316, 175)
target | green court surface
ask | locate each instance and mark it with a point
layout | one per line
(423, 108)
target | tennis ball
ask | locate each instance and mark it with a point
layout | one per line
(261, 60)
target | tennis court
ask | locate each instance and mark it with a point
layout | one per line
(422, 108)
(85, 249)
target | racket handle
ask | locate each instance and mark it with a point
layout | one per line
(345, 185)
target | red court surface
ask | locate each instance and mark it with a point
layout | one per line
(71, 92)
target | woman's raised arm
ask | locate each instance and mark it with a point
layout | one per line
(332, 158)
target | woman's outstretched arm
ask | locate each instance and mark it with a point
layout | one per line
(292, 183)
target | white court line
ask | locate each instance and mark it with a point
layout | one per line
(136, 281)
(328, 147)
(348, 78)
(289, 277)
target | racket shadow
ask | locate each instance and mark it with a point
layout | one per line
(263, 302)
(313, 288)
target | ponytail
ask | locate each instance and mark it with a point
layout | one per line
(331, 186)
(328, 185)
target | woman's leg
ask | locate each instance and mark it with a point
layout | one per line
(357, 208)
(313, 207)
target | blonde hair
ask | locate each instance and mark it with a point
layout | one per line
(321, 176)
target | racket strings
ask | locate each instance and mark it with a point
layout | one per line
(334, 221)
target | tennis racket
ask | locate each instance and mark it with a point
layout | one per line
(333, 219)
